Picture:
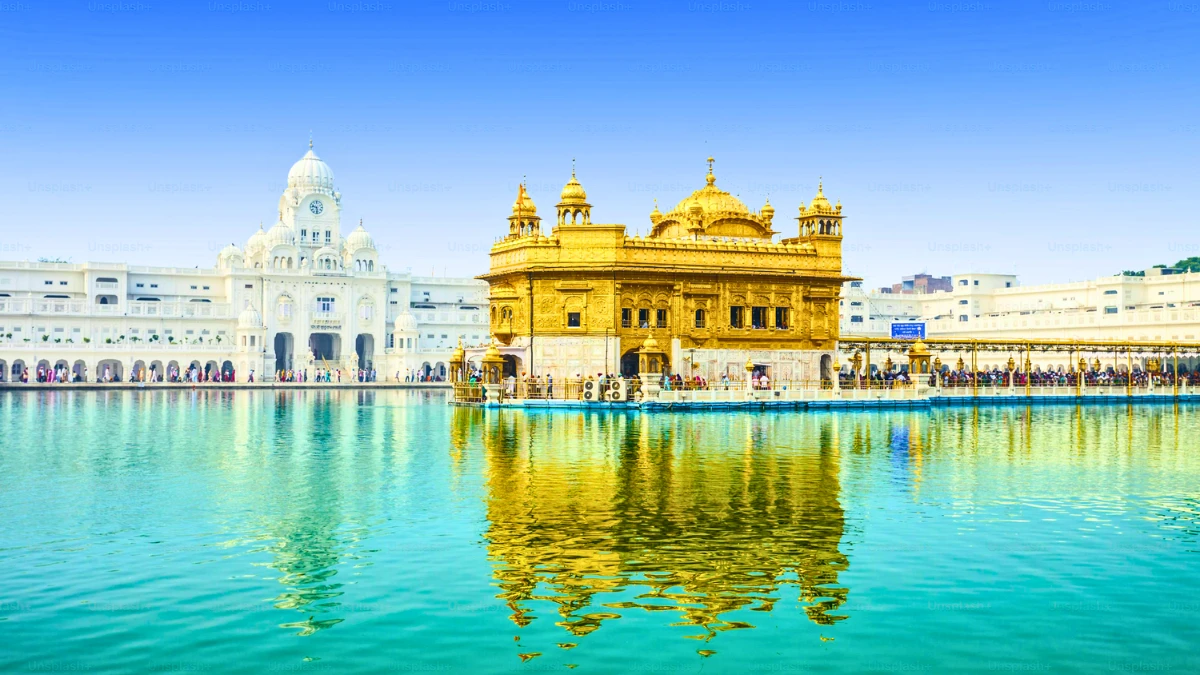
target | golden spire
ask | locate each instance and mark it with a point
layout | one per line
(710, 177)
(572, 167)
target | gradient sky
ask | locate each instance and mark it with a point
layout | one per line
(1055, 140)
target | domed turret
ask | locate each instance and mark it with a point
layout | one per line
(257, 241)
(406, 322)
(768, 211)
(280, 234)
(359, 239)
(820, 202)
(573, 191)
(250, 318)
(573, 207)
(524, 219)
(820, 217)
(655, 215)
(311, 173)
(524, 204)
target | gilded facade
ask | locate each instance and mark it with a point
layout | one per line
(709, 280)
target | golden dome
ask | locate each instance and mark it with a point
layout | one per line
(819, 202)
(524, 203)
(492, 353)
(650, 344)
(573, 191)
(655, 215)
(767, 209)
(918, 347)
(711, 199)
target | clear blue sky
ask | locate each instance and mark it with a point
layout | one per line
(1057, 140)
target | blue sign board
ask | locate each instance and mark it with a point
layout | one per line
(912, 330)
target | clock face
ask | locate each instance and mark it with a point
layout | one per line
(316, 207)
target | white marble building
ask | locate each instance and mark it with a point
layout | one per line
(1160, 305)
(299, 295)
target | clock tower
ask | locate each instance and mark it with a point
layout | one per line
(312, 207)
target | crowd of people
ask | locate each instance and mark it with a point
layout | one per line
(420, 376)
(997, 377)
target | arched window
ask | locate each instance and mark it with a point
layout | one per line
(700, 318)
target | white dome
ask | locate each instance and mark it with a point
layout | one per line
(281, 234)
(406, 322)
(311, 172)
(325, 251)
(229, 251)
(250, 318)
(257, 241)
(359, 239)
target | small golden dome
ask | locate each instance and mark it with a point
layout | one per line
(493, 352)
(820, 202)
(573, 191)
(655, 215)
(767, 209)
(650, 344)
(918, 347)
(458, 352)
(524, 203)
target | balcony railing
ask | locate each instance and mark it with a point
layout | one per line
(68, 307)
(320, 319)
(48, 346)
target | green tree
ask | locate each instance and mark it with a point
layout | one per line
(1191, 264)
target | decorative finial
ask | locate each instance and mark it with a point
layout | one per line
(820, 184)
(572, 167)
(710, 178)
(310, 139)
(360, 222)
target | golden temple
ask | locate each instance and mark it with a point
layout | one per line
(709, 283)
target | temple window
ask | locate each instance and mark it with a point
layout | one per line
(699, 318)
(737, 317)
(660, 318)
(781, 318)
(626, 317)
(643, 318)
(758, 317)
(572, 319)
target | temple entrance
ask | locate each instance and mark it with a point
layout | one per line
(285, 346)
(826, 368)
(325, 346)
(629, 363)
(512, 366)
(364, 346)
(630, 367)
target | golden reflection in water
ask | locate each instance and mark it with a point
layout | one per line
(696, 515)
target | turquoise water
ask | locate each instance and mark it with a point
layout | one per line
(343, 531)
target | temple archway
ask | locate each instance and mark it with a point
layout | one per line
(285, 345)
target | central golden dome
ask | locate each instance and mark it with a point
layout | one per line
(711, 199)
